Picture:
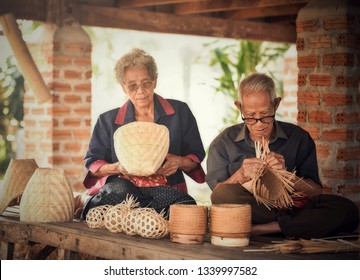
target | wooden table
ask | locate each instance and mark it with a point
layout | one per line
(72, 239)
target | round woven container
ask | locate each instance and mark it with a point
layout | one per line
(47, 197)
(230, 224)
(187, 223)
(141, 147)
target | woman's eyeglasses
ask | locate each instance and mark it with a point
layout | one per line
(146, 84)
(252, 121)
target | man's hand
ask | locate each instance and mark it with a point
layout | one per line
(247, 170)
(275, 161)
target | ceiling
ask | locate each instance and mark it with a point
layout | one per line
(265, 20)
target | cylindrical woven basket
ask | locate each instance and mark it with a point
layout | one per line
(16, 177)
(187, 223)
(47, 197)
(230, 224)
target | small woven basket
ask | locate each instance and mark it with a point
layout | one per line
(95, 218)
(16, 177)
(141, 147)
(47, 198)
(230, 224)
(187, 223)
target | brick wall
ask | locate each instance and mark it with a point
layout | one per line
(328, 45)
(57, 133)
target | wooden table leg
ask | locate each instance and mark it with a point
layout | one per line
(7, 250)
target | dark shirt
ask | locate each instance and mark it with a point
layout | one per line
(185, 138)
(229, 149)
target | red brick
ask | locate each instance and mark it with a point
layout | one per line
(320, 41)
(72, 122)
(83, 87)
(313, 131)
(348, 40)
(302, 79)
(301, 116)
(348, 82)
(58, 160)
(320, 79)
(319, 116)
(83, 111)
(300, 44)
(338, 59)
(348, 118)
(322, 151)
(61, 134)
(310, 61)
(75, 48)
(336, 99)
(338, 172)
(58, 110)
(37, 111)
(310, 98)
(327, 189)
(82, 134)
(348, 153)
(60, 60)
(71, 74)
(73, 147)
(348, 189)
(344, 22)
(72, 98)
(57, 86)
(307, 25)
(338, 134)
(83, 61)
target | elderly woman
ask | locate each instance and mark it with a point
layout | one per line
(107, 180)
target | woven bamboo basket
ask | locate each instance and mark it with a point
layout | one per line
(230, 224)
(187, 223)
(47, 198)
(16, 177)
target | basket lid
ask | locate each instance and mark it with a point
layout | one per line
(16, 177)
(141, 147)
(47, 197)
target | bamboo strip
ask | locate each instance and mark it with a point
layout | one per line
(24, 58)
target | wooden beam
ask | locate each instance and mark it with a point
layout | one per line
(188, 25)
(147, 3)
(199, 7)
(265, 12)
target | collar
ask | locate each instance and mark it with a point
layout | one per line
(277, 132)
(126, 113)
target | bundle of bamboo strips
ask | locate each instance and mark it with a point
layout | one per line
(325, 245)
(272, 187)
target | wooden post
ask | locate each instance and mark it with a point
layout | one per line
(28, 67)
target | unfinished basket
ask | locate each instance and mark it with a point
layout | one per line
(187, 223)
(230, 224)
(272, 187)
(48, 197)
(16, 177)
(141, 147)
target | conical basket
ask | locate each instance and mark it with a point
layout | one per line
(47, 197)
(187, 223)
(16, 177)
(230, 224)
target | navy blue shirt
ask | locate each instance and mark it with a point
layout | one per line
(229, 149)
(185, 138)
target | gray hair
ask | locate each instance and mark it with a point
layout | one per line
(136, 58)
(257, 82)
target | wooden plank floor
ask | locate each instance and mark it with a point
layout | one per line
(77, 237)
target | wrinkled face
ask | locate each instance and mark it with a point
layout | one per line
(257, 105)
(139, 87)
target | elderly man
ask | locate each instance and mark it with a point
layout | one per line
(232, 162)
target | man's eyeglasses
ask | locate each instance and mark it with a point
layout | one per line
(252, 121)
(146, 84)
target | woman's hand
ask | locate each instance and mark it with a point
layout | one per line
(110, 169)
(171, 165)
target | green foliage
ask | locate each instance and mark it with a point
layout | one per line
(11, 108)
(239, 60)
